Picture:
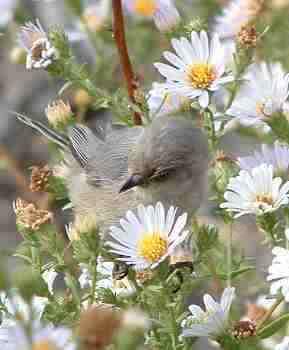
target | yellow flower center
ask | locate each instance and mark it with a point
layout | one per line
(145, 7)
(201, 75)
(152, 247)
(264, 198)
(43, 345)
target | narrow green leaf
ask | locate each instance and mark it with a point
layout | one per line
(273, 327)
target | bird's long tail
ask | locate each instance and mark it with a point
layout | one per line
(53, 136)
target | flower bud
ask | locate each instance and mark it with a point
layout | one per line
(17, 55)
(82, 99)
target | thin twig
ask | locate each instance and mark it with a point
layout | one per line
(119, 36)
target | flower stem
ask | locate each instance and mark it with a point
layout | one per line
(229, 254)
(269, 313)
(93, 287)
(119, 36)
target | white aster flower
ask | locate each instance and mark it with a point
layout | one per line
(255, 192)
(235, 15)
(197, 68)
(284, 345)
(40, 52)
(149, 238)
(263, 93)
(163, 12)
(49, 277)
(17, 307)
(7, 8)
(162, 102)
(279, 271)
(277, 156)
(43, 337)
(211, 322)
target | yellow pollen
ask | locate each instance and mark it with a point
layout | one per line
(152, 247)
(260, 109)
(264, 198)
(201, 75)
(145, 7)
(43, 345)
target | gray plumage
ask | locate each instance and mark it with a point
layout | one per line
(109, 173)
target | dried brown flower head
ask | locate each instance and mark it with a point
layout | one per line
(58, 113)
(244, 329)
(247, 36)
(29, 216)
(39, 178)
(97, 326)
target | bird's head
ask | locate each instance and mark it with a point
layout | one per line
(169, 151)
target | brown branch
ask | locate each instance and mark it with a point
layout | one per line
(119, 36)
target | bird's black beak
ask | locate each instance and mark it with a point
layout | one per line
(132, 181)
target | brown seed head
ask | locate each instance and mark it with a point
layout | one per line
(58, 113)
(247, 36)
(39, 178)
(244, 329)
(97, 326)
(29, 216)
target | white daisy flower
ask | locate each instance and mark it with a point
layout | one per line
(17, 306)
(7, 8)
(163, 12)
(284, 345)
(49, 276)
(276, 155)
(235, 15)
(263, 93)
(149, 238)
(255, 192)
(43, 337)
(279, 271)
(40, 52)
(197, 68)
(162, 102)
(211, 322)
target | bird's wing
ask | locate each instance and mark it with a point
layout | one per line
(104, 161)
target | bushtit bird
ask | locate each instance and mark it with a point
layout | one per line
(107, 174)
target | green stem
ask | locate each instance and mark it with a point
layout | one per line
(229, 254)
(93, 287)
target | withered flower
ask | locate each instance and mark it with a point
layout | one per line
(29, 216)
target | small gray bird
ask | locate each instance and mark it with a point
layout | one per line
(113, 171)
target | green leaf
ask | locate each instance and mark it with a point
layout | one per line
(273, 327)
(236, 273)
